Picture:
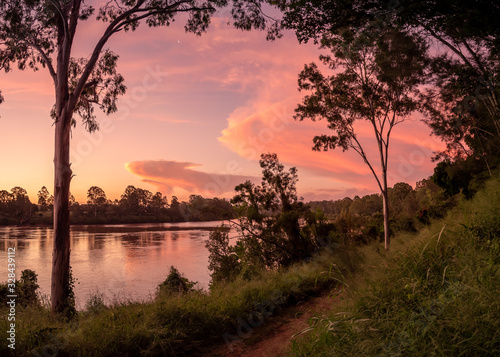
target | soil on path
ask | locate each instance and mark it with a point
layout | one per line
(273, 338)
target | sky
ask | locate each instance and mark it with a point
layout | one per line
(197, 114)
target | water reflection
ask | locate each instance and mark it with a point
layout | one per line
(123, 262)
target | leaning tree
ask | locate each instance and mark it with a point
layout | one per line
(41, 33)
(375, 79)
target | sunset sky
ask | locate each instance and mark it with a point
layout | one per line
(198, 113)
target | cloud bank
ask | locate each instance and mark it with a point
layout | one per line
(170, 176)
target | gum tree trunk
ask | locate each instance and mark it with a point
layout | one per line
(385, 207)
(60, 285)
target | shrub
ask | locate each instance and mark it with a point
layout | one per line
(223, 261)
(175, 283)
(25, 289)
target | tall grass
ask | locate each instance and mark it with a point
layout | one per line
(439, 297)
(176, 324)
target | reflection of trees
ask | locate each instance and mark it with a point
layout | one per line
(43, 234)
(95, 241)
(142, 239)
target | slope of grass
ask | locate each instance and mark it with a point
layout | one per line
(437, 294)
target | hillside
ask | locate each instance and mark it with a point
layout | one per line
(436, 293)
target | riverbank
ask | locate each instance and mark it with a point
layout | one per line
(47, 221)
(435, 292)
(179, 324)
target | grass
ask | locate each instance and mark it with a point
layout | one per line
(435, 294)
(175, 324)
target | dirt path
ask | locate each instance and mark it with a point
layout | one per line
(274, 337)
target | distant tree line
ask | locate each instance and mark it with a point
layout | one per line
(15, 206)
(360, 220)
(136, 205)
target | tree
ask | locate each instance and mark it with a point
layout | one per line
(223, 260)
(136, 200)
(376, 81)
(5, 197)
(43, 197)
(96, 197)
(465, 94)
(72, 200)
(40, 33)
(175, 210)
(462, 106)
(21, 204)
(158, 203)
(404, 206)
(269, 215)
(50, 201)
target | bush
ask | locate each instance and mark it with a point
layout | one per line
(25, 289)
(223, 261)
(175, 283)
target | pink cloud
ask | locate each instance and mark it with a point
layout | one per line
(334, 194)
(170, 176)
(264, 126)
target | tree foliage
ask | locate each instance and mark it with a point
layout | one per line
(462, 101)
(359, 220)
(26, 290)
(43, 197)
(269, 217)
(224, 262)
(96, 196)
(175, 283)
(275, 228)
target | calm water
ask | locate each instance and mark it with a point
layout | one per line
(122, 262)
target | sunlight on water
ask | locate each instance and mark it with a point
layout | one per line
(122, 262)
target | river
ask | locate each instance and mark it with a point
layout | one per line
(121, 262)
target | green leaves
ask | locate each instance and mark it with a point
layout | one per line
(269, 215)
(102, 89)
(375, 79)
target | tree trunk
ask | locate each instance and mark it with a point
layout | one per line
(385, 204)
(60, 286)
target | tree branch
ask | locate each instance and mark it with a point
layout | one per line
(63, 18)
(449, 45)
(115, 26)
(361, 152)
(46, 59)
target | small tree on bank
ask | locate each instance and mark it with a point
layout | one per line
(376, 81)
(269, 216)
(40, 33)
(275, 228)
